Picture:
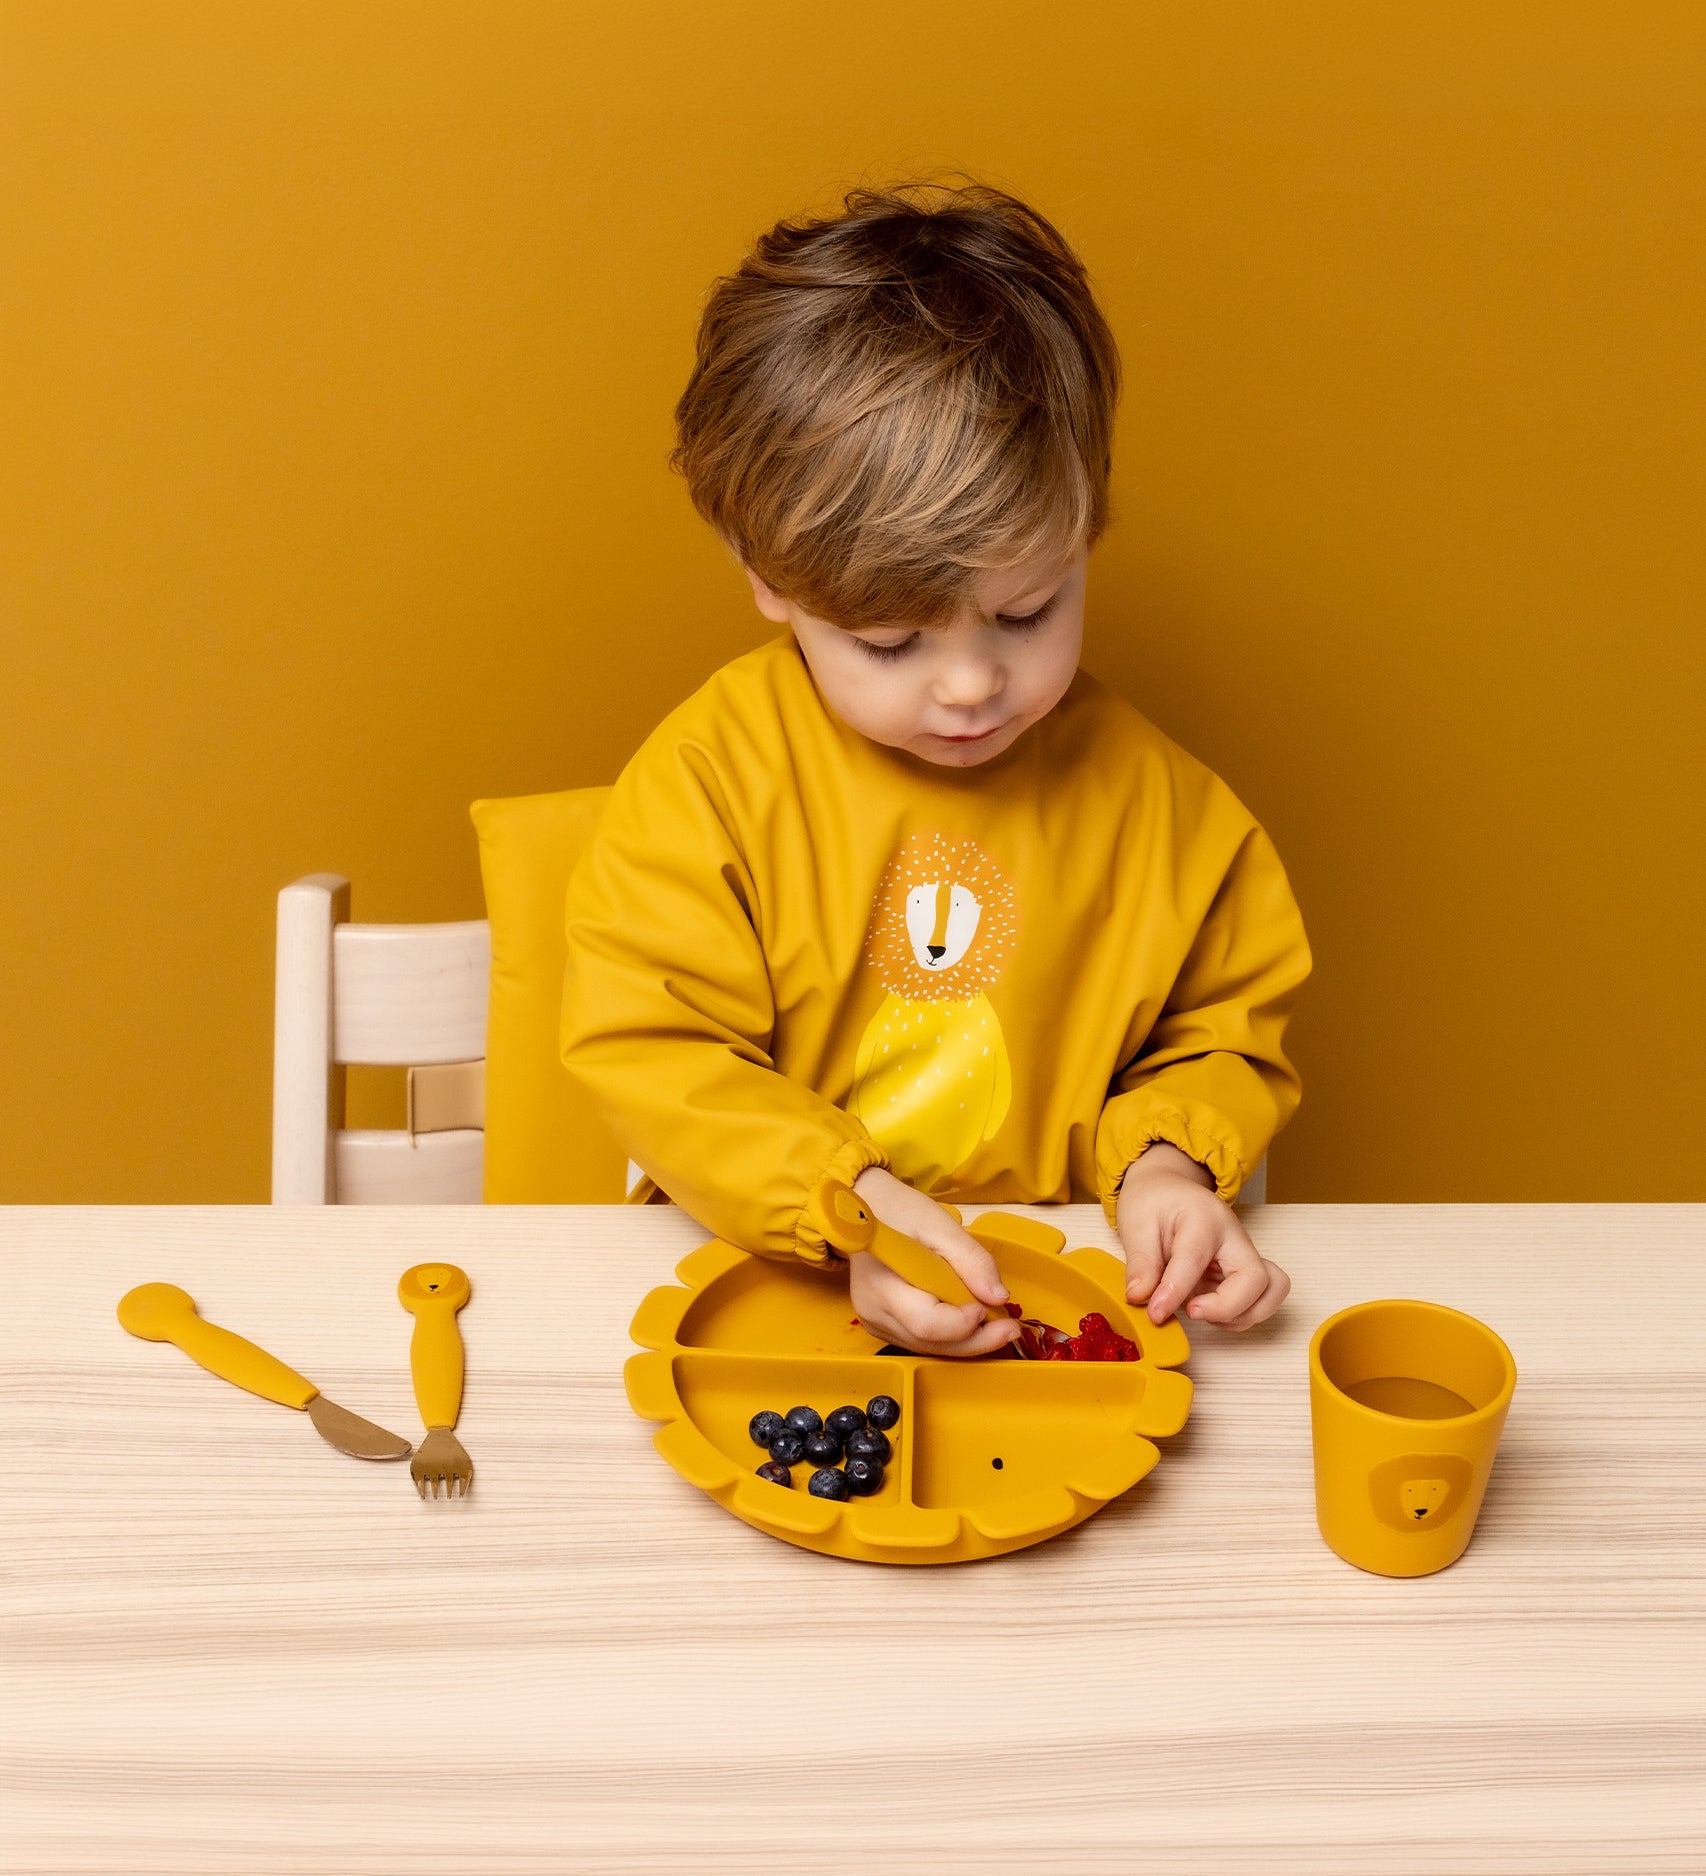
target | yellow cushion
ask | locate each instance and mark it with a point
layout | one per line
(545, 1144)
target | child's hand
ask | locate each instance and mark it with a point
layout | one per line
(1182, 1242)
(893, 1310)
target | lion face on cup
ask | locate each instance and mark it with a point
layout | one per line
(1420, 1490)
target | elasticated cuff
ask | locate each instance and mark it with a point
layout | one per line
(845, 1163)
(1123, 1138)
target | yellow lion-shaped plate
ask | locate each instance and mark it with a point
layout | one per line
(989, 1455)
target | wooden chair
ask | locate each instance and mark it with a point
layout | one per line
(396, 995)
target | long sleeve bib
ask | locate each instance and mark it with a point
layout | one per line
(794, 952)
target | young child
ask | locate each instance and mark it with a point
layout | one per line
(904, 898)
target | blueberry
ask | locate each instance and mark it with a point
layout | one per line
(788, 1448)
(804, 1420)
(765, 1427)
(776, 1474)
(883, 1412)
(869, 1445)
(864, 1476)
(826, 1482)
(823, 1449)
(843, 1421)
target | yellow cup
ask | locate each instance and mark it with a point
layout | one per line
(1406, 1404)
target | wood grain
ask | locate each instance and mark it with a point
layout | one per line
(231, 1650)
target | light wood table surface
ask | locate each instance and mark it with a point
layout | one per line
(229, 1649)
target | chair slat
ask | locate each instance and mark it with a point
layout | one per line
(372, 1167)
(410, 993)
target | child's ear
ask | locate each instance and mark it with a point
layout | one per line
(774, 608)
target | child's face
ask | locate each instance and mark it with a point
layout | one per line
(957, 693)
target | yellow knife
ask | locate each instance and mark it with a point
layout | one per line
(161, 1312)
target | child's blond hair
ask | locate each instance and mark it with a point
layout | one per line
(890, 400)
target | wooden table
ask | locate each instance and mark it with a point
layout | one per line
(229, 1649)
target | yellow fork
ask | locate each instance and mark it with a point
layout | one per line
(432, 1294)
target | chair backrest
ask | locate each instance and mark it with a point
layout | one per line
(546, 1143)
(397, 995)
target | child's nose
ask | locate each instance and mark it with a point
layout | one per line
(966, 683)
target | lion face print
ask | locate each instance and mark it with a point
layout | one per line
(1419, 1491)
(944, 921)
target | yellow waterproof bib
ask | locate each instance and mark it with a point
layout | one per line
(795, 953)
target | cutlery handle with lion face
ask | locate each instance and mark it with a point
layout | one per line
(432, 1294)
(850, 1225)
(161, 1312)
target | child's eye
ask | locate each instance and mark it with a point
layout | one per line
(886, 654)
(1028, 622)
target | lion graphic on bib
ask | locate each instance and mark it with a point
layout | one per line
(932, 1080)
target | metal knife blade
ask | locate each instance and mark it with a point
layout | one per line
(349, 1433)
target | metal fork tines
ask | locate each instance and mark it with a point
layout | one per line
(440, 1466)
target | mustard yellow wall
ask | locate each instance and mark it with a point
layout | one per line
(341, 342)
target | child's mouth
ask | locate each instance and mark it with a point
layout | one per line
(981, 736)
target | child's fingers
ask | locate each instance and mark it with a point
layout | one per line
(985, 1341)
(936, 1328)
(972, 1262)
(1278, 1288)
(928, 1319)
(1195, 1243)
(1144, 1260)
(1244, 1284)
(923, 1322)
